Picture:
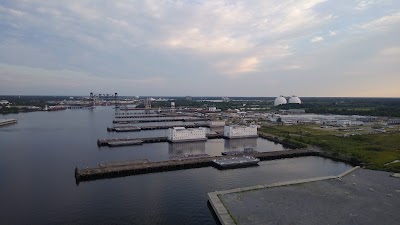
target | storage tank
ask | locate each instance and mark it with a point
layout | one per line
(280, 101)
(294, 100)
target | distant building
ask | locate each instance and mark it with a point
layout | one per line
(367, 119)
(349, 123)
(4, 102)
(212, 109)
(216, 123)
(393, 121)
(189, 98)
(240, 131)
(292, 111)
(181, 134)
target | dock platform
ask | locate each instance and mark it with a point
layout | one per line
(148, 116)
(159, 120)
(134, 141)
(126, 169)
(163, 127)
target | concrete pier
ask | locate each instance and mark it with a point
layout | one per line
(149, 116)
(133, 141)
(106, 142)
(159, 120)
(152, 167)
(163, 127)
(8, 122)
(357, 196)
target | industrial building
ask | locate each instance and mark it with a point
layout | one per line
(236, 131)
(393, 121)
(349, 123)
(181, 134)
(4, 102)
(292, 111)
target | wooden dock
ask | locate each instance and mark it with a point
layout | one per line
(144, 166)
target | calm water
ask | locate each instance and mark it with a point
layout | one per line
(39, 154)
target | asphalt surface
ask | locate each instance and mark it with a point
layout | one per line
(361, 197)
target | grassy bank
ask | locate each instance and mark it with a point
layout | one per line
(374, 150)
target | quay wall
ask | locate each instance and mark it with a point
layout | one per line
(170, 165)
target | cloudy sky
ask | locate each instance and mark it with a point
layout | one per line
(200, 48)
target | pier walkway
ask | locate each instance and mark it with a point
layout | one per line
(143, 167)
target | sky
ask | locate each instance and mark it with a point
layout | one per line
(200, 48)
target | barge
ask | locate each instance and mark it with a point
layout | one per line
(235, 162)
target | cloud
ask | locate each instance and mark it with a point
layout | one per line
(393, 51)
(194, 39)
(317, 39)
(30, 77)
(383, 23)
(235, 68)
(188, 43)
(365, 4)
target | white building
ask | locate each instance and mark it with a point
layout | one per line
(240, 131)
(212, 109)
(181, 134)
(349, 123)
(4, 102)
(216, 123)
(393, 121)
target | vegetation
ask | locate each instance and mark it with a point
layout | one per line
(5, 110)
(349, 106)
(374, 150)
(223, 105)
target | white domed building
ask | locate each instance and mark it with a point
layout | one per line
(294, 100)
(280, 101)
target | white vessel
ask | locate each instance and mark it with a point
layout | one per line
(181, 134)
(236, 131)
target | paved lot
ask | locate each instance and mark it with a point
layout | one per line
(362, 197)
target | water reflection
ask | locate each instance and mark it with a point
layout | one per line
(240, 144)
(180, 149)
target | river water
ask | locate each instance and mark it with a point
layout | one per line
(39, 154)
